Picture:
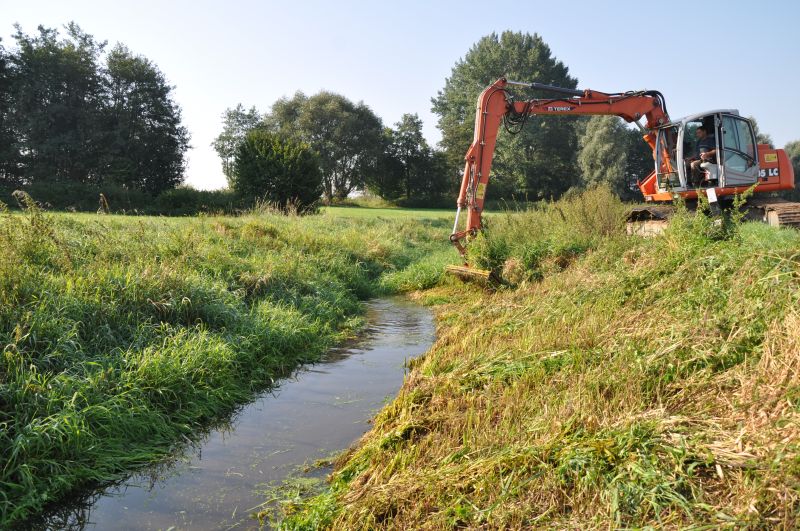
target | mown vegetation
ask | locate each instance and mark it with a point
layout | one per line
(123, 336)
(624, 382)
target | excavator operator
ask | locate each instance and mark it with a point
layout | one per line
(707, 154)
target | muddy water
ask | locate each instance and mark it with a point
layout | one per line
(324, 408)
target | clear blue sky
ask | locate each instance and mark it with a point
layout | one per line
(395, 56)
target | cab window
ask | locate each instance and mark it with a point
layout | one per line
(738, 143)
(666, 164)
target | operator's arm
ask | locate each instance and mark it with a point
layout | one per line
(708, 155)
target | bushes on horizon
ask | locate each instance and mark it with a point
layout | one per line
(277, 170)
(187, 201)
(78, 197)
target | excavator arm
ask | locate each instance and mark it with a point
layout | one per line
(496, 105)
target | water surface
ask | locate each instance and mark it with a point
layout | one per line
(324, 408)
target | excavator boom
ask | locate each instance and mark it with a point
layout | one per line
(740, 163)
(496, 105)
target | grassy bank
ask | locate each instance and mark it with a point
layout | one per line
(122, 336)
(624, 382)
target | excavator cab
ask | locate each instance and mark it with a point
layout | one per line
(735, 165)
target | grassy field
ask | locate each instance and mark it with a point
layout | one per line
(123, 336)
(622, 383)
(614, 382)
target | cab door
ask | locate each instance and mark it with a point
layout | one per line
(739, 152)
(667, 170)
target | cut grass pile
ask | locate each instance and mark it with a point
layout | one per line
(121, 337)
(625, 382)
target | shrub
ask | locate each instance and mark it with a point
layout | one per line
(82, 197)
(548, 236)
(79, 197)
(186, 201)
(277, 170)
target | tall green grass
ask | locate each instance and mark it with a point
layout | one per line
(121, 337)
(623, 383)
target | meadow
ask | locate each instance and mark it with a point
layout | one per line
(616, 382)
(122, 337)
(612, 381)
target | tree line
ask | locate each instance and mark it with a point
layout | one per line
(76, 115)
(74, 112)
(549, 156)
(356, 152)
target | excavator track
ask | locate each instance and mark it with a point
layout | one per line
(775, 212)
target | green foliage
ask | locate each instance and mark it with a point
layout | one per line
(187, 201)
(408, 166)
(236, 123)
(613, 155)
(540, 161)
(346, 136)
(761, 137)
(143, 142)
(793, 152)
(74, 113)
(122, 337)
(9, 150)
(57, 93)
(78, 197)
(639, 165)
(277, 170)
(603, 154)
(549, 236)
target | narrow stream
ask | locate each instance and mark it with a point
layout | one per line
(323, 409)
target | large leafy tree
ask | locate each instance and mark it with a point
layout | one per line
(411, 149)
(347, 137)
(603, 155)
(57, 94)
(75, 113)
(145, 140)
(411, 166)
(387, 180)
(613, 154)
(793, 152)
(761, 137)
(10, 172)
(271, 167)
(236, 123)
(540, 161)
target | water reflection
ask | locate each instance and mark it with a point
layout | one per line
(218, 482)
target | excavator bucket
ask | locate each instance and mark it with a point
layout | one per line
(471, 274)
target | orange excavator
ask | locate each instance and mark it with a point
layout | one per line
(738, 164)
